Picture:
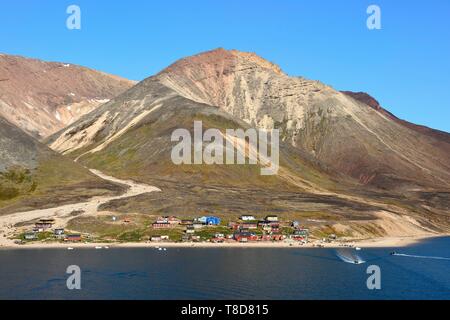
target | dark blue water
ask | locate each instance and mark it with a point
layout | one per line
(194, 273)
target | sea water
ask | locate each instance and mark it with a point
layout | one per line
(228, 273)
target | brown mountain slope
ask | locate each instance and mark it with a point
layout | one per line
(364, 97)
(336, 129)
(42, 97)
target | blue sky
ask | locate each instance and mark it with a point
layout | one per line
(405, 65)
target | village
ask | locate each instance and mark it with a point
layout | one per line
(245, 229)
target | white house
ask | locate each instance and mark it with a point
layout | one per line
(272, 218)
(247, 218)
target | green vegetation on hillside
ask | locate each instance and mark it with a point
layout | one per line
(14, 182)
(56, 181)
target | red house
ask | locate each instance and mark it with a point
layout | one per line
(277, 237)
(247, 225)
(245, 236)
(73, 237)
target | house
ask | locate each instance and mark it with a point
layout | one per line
(59, 232)
(166, 222)
(190, 229)
(195, 238)
(173, 220)
(218, 237)
(269, 226)
(30, 236)
(44, 224)
(275, 230)
(274, 224)
(271, 218)
(209, 220)
(201, 220)
(164, 238)
(249, 226)
(295, 224)
(297, 237)
(245, 236)
(73, 237)
(168, 219)
(301, 233)
(277, 237)
(247, 218)
(155, 238)
(269, 223)
(161, 220)
(186, 222)
(38, 229)
(162, 225)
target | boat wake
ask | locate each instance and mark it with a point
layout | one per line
(419, 257)
(349, 257)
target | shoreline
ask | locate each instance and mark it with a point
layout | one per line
(387, 242)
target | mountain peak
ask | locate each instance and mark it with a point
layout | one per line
(222, 61)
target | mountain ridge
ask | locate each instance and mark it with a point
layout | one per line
(311, 116)
(373, 103)
(309, 113)
(42, 97)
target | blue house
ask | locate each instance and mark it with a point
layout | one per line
(209, 220)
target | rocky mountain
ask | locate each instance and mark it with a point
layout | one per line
(43, 97)
(33, 176)
(443, 137)
(341, 160)
(340, 131)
